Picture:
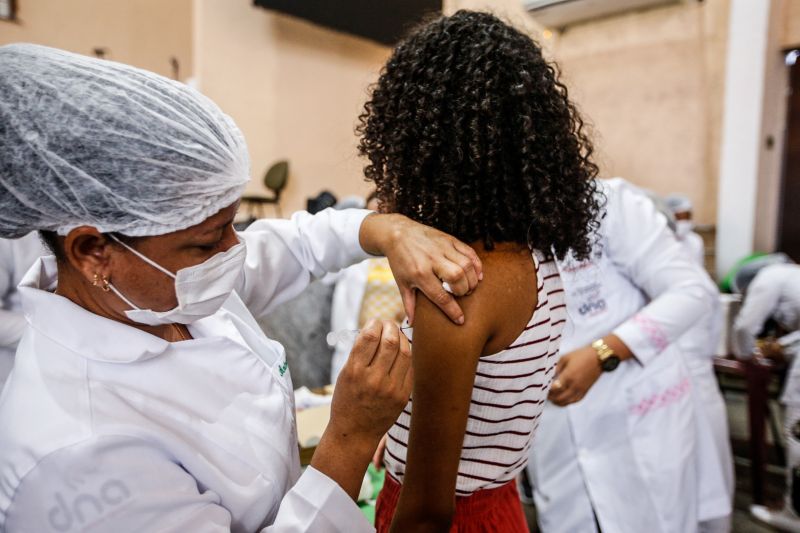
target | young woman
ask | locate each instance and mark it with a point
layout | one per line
(469, 130)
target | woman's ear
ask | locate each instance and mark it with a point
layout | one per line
(88, 251)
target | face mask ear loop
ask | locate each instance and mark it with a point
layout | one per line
(122, 297)
(143, 257)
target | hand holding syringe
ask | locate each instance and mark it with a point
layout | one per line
(349, 336)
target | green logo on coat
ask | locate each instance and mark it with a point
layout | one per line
(283, 368)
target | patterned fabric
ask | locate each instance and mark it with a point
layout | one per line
(486, 511)
(507, 399)
(381, 296)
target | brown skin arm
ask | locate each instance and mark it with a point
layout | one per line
(445, 357)
(577, 371)
(421, 258)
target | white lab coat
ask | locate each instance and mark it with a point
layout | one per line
(773, 293)
(108, 428)
(625, 454)
(694, 246)
(714, 456)
(714, 460)
(348, 294)
(16, 257)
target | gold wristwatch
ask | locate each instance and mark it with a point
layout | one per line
(605, 355)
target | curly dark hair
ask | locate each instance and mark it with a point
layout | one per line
(469, 130)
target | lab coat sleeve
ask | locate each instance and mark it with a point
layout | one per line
(284, 256)
(126, 485)
(317, 504)
(762, 299)
(679, 291)
(12, 323)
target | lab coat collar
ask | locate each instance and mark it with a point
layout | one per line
(85, 333)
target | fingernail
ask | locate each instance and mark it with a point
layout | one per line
(460, 321)
(480, 276)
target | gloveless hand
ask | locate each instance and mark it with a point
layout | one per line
(373, 388)
(576, 372)
(422, 258)
(375, 382)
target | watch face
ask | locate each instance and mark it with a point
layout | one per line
(610, 363)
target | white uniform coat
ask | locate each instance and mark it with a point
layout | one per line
(625, 454)
(714, 456)
(108, 428)
(773, 293)
(16, 257)
(695, 247)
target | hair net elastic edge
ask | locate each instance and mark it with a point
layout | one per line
(144, 229)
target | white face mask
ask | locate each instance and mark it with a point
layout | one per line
(201, 289)
(683, 228)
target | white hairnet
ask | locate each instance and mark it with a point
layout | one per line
(86, 141)
(678, 203)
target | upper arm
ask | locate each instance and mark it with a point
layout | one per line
(643, 247)
(445, 358)
(759, 304)
(283, 256)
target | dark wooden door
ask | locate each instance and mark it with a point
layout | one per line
(789, 202)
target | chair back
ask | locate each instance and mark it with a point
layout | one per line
(276, 177)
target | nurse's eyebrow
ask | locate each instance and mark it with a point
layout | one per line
(220, 226)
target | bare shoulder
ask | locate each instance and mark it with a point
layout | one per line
(498, 310)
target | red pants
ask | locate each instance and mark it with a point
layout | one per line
(486, 511)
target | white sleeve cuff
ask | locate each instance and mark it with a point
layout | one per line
(643, 336)
(332, 501)
(353, 221)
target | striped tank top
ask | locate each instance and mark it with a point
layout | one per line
(507, 398)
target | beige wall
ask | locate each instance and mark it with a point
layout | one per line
(651, 84)
(790, 22)
(143, 33)
(294, 88)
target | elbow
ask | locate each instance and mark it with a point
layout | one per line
(703, 293)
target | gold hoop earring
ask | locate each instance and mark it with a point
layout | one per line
(95, 279)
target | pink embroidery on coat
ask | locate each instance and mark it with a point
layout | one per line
(653, 331)
(662, 399)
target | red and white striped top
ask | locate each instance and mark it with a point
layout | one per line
(507, 399)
